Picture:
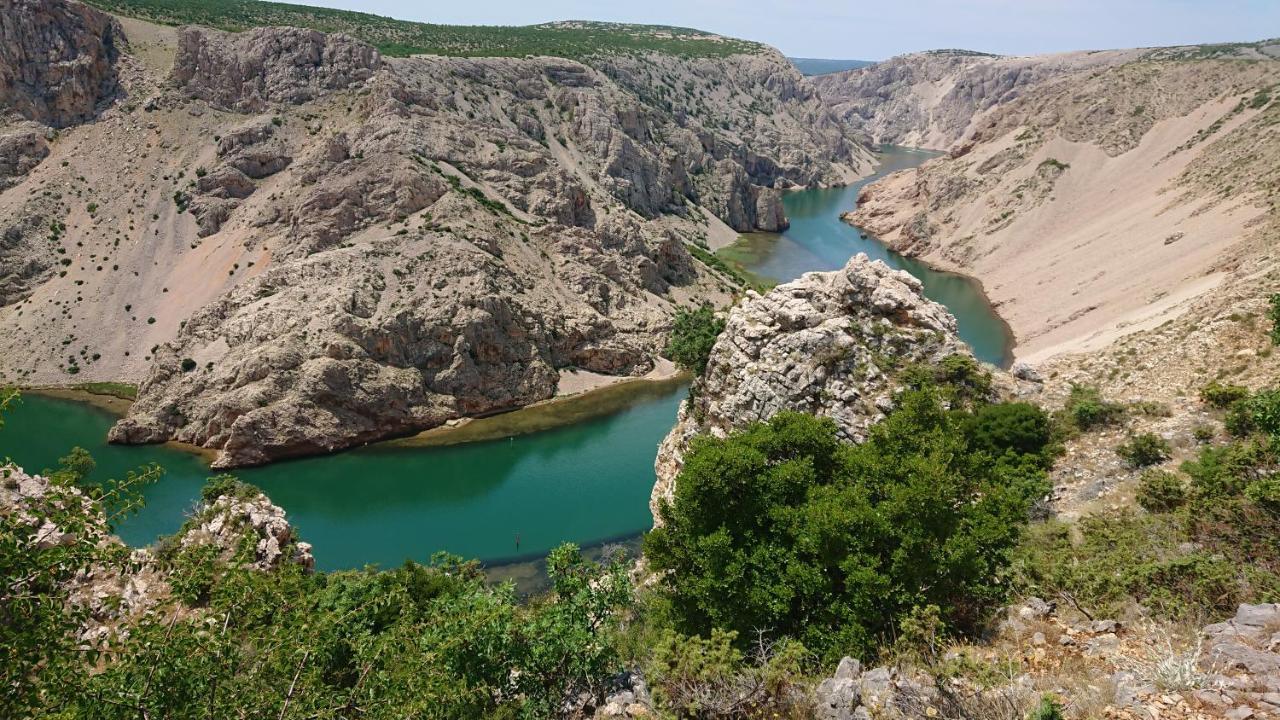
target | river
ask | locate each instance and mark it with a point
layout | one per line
(497, 500)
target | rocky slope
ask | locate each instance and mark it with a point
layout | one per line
(932, 99)
(827, 344)
(299, 245)
(1103, 203)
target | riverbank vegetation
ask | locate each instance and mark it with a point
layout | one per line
(785, 550)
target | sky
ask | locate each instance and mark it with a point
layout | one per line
(877, 29)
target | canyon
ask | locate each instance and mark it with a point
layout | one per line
(294, 244)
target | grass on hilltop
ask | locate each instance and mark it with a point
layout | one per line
(402, 38)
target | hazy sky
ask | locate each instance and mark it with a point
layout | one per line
(877, 29)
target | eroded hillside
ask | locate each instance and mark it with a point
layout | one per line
(299, 244)
(1104, 202)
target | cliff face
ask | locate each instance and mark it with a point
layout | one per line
(57, 60)
(299, 245)
(933, 99)
(1102, 203)
(826, 344)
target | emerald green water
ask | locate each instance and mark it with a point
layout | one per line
(819, 240)
(588, 482)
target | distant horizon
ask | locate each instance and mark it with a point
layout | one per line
(829, 30)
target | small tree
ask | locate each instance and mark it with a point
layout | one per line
(693, 334)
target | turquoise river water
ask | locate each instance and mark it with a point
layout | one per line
(496, 500)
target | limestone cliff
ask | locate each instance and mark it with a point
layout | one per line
(826, 344)
(57, 60)
(299, 245)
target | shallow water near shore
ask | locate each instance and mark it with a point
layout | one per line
(505, 489)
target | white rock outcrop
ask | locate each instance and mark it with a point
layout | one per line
(827, 344)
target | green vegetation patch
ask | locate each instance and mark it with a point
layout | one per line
(401, 38)
(693, 334)
(124, 391)
(781, 528)
(728, 264)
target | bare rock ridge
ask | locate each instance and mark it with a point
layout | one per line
(298, 245)
(247, 71)
(57, 60)
(933, 99)
(826, 344)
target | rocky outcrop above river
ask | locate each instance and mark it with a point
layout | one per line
(233, 519)
(57, 60)
(826, 344)
(298, 246)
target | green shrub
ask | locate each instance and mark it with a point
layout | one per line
(782, 527)
(188, 364)
(1160, 491)
(1020, 428)
(693, 334)
(1222, 396)
(1048, 709)
(1273, 314)
(697, 677)
(1085, 409)
(1259, 413)
(1144, 450)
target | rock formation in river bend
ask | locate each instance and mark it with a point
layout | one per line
(826, 343)
(300, 245)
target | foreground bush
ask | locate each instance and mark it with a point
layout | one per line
(781, 528)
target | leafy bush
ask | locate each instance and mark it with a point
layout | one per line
(1020, 428)
(1085, 409)
(1048, 709)
(1273, 314)
(697, 677)
(1222, 396)
(961, 378)
(1160, 491)
(1259, 413)
(188, 364)
(693, 334)
(782, 527)
(1143, 450)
